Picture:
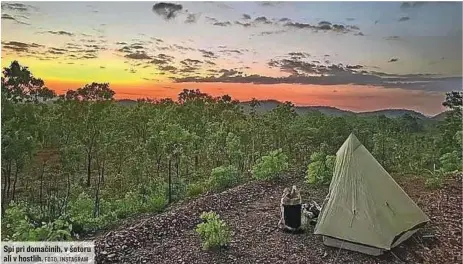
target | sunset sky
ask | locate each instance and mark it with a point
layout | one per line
(358, 56)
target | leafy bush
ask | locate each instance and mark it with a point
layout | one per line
(224, 177)
(271, 166)
(450, 162)
(151, 198)
(15, 223)
(129, 205)
(81, 210)
(434, 182)
(321, 168)
(214, 232)
(17, 226)
(434, 179)
(155, 203)
(58, 230)
(81, 214)
(195, 189)
(155, 199)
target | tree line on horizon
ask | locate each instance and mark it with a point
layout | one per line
(84, 162)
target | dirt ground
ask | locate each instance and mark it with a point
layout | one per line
(252, 212)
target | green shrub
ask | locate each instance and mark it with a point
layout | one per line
(129, 205)
(15, 223)
(321, 168)
(223, 177)
(450, 162)
(195, 189)
(17, 226)
(155, 202)
(434, 179)
(151, 198)
(81, 214)
(58, 230)
(434, 182)
(271, 166)
(214, 232)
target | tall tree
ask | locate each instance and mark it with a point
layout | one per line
(452, 124)
(91, 92)
(20, 85)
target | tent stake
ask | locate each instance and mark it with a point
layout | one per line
(400, 261)
(337, 255)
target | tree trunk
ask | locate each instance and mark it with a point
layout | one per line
(177, 167)
(170, 181)
(68, 193)
(102, 173)
(158, 169)
(41, 186)
(15, 181)
(96, 208)
(5, 186)
(8, 183)
(253, 151)
(89, 168)
(196, 157)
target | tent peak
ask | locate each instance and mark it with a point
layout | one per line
(352, 135)
(353, 141)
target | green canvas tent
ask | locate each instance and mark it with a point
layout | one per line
(366, 210)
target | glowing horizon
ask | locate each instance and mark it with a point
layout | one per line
(354, 56)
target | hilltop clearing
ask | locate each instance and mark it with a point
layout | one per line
(252, 211)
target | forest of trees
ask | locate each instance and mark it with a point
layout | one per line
(78, 162)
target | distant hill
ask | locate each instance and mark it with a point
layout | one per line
(393, 113)
(126, 102)
(268, 105)
(441, 116)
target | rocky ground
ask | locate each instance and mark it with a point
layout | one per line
(252, 212)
